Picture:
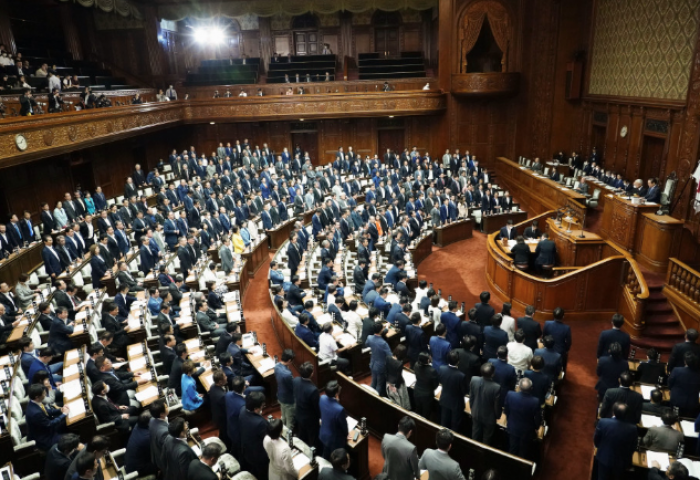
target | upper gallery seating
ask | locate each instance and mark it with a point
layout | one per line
(225, 72)
(374, 66)
(315, 66)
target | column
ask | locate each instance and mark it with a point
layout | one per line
(6, 36)
(70, 31)
(151, 25)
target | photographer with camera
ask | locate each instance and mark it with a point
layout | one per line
(88, 98)
(28, 105)
(55, 101)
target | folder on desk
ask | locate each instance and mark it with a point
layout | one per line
(688, 428)
(661, 457)
(649, 421)
(76, 408)
(352, 423)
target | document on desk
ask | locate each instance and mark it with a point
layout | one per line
(71, 389)
(409, 378)
(71, 370)
(661, 457)
(75, 408)
(234, 316)
(646, 391)
(346, 339)
(438, 390)
(692, 466)
(134, 350)
(72, 354)
(649, 421)
(248, 340)
(688, 428)
(352, 423)
(266, 364)
(147, 393)
(137, 364)
(255, 351)
(300, 461)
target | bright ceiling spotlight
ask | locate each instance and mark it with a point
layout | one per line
(212, 35)
(201, 35)
(217, 35)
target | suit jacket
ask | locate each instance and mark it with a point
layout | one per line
(440, 465)
(485, 400)
(524, 414)
(198, 470)
(52, 262)
(504, 233)
(453, 388)
(333, 474)
(546, 253)
(57, 464)
(158, 430)
(663, 438)
(400, 457)
(608, 337)
(632, 399)
(532, 329)
(178, 456)
(608, 371)
(334, 425)
(58, 336)
(108, 412)
(616, 441)
(117, 388)
(253, 428)
(234, 404)
(678, 352)
(44, 428)
(217, 401)
(685, 388)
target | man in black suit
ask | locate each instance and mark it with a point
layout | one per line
(508, 231)
(201, 469)
(524, 415)
(484, 401)
(546, 252)
(615, 334)
(684, 383)
(158, 431)
(307, 412)
(253, 428)
(453, 391)
(186, 254)
(624, 394)
(217, 394)
(469, 361)
(359, 276)
(60, 456)
(108, 411)
(533, 231)
(177, 453)
(484, 311)
(678, 352)
(118, 387)
(616, 441)
(531, 327)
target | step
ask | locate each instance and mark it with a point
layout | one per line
(658, 308)
(664, 344)
(655, 295)
(668, 319)
(663, 331)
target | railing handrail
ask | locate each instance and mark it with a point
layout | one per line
(643, 287)
(683, 265)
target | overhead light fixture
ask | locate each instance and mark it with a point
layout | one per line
(391, 116)
(212, 123)
(212, 35)
(301, 119)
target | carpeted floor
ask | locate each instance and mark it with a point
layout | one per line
(459, 271)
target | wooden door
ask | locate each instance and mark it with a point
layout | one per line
(393, 139)
(308, 141)
(387, 40)
(652, 154)
(306, 43)
(599, 133)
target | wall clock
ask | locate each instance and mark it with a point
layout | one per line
(623, 131)
(21, 142)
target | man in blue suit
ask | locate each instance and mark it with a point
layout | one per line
(524, 418)
(684, 383)
(380, 302)
(182, 224)
(439, 347)
(654, 193)
(42, 363)
(380, 352)
(325, 275)
(252, 430)
(148, 260)
(235, 401)
(44, 423)
(616, 441)
(99, 267)
(444, 211)
(316, 224)
(552, 360)
(454, 387)
(451, 322)
(504, 374)
(266, 218)
(615, 334)
(561, 333)
(52, 262)
(392, 275)
(334, 424)
(122, 240)
(170, 230)
(59, 333)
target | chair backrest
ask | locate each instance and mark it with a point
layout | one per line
(34, 335)
(16, 433)
(576, 185)
(546, 170)
(528, 163)
(596, 194)
(569, 181)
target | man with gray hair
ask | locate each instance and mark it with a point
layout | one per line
(524, 419)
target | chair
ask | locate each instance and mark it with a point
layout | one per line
(546, 171)
(521, 266)
(528, 163)
(593, 201)
(569, 181)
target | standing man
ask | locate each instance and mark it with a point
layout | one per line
(438, 462)
(561, 333)
(400, 455)
(616, 441)
(334, 423)
(306, 405)
(380, 352)
(484, 400)
(285, 387)
(524, 418)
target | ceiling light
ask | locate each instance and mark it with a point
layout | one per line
(391, 116)
(301, 119)
(212, 123)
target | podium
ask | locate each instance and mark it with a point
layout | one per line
(622, 220)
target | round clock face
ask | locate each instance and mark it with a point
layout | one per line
(623, 131)
(21, 142)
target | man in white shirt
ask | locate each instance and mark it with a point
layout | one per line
(519, 354)
(328, 349)
(54, 82)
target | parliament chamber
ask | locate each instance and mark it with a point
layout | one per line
(349, 240)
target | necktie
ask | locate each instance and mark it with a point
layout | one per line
(379, 228)
(43, 408)
(18, 232)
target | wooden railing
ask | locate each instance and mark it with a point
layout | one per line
(682, 290)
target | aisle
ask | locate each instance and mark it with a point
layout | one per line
(459, 270)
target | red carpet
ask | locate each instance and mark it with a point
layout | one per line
(459, 271)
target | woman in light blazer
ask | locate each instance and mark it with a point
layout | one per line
(281, 465)
(60, 216)
(23, 294)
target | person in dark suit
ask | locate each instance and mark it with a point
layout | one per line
(520, 251)
(44, 424)
(676, 470)
(201, 468)
(253, 429)
(653, 195)
(616, 441)
(508, 231)
(531, 327)
(308, 411)
(469, 361)
(524, 415)
(655, 405)
(494, 337)
(235, 402)
(485, 404)
(217, 403)
(118, 386)
(158, 432)
(541, 382)
(484, 311)
(561, 333)
(303, 331)
(546, 252)
(147, 259)
(60, 330)
(533, 231)
(416, 340)
(609, 369)
(359, 275)
(340, 460)
(615, 334)
(427, 380)
(52, 261)
(334, 425)
(177, 453)
(453, 390)
(99, 266)
(505, 374)
(114, 323)
(651, 370)
(623, 394)
(684, 383)
(60, 456)
(676, 359)
(380, 352)
(186, 255)
(138, 449)
(107, 411)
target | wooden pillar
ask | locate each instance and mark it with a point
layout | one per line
(151, 25)
(266, 42)
(445, 35)
(7, 38)
(70, 31)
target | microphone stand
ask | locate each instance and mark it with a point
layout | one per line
(583, 222)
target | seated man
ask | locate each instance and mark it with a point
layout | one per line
(44, 424)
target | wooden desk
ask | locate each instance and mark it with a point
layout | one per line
(24, 261)
(622, 220)
(422, 248)
(494, 223)
(453, 232)
(382, 417)
(280, 234)
(256, 256)
(572, 250)
(537, 192)
(658, 240)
